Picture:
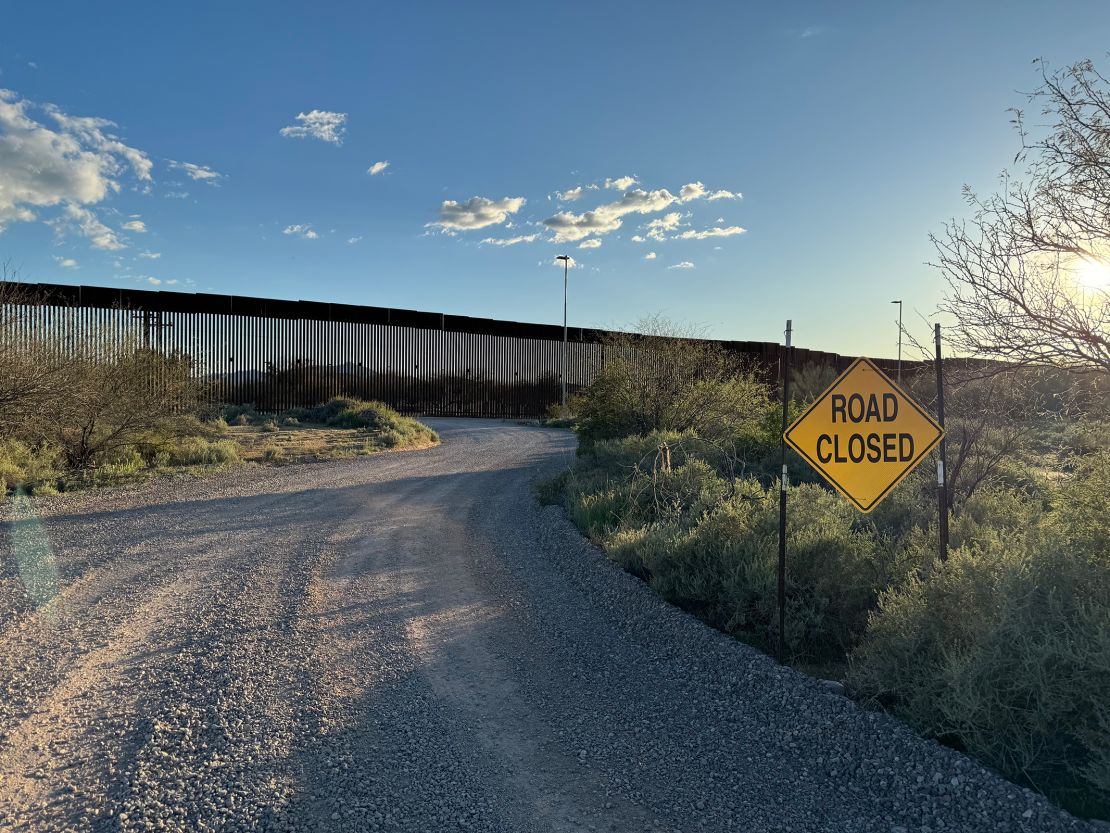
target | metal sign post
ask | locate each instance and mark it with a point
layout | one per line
(942, 485)
(784, 483)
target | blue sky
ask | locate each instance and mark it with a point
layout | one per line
(835, 135)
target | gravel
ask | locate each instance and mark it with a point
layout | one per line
(408, 642)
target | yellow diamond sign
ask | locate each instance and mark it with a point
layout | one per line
(864, 434)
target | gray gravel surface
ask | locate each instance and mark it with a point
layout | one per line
(408, 642)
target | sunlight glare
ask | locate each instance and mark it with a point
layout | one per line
(1094, 274)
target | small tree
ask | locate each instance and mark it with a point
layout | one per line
(668, 379)
(119, 399)
(1012, 269)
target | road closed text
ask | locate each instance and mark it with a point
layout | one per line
(869, 412)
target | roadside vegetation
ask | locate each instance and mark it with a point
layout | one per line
(113, 411)
(1003, 650)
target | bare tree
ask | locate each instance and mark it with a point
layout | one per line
(1012, 269)
(32, 380)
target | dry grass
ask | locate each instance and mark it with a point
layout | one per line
(307, 442)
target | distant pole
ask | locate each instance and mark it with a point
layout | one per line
(899, 303)
(784, 482)
(566, 267)
(942, 486)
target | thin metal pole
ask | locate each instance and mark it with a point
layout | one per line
(899, 344)
(942, 487)
(566, 268)
(784, 482)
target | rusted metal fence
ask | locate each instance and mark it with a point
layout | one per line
(280, 354)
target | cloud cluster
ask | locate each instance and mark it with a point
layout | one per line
(74, 164)
(568, 227)
(301, 230)
(683, 265)
(476, 213)
(318, 124)
(135, 225)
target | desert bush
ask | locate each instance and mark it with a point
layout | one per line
(1004, 650)
(272, 453)
(269, 426)
(194, 451)
(390, 429)
(669, 382)
(115, 401)
(26, 467)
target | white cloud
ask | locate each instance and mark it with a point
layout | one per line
(511, 241)
(318, 124)
(638, 238)
(650, 256)
(658, 227)
(150, 255)
(177, 195)
(683, 265)
(87, 224)
(137, 226)
(353, 240)
(377, 167)
(301, 230)
(568, 227)
(622, 183)
(716, 231)
(153, 281)
(691, 191)
(592, 243)
(724, 195)
(66, 262)
(78, 164)
(476, 213)
(571, 195)
(200, 173)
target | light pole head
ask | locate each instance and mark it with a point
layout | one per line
(564, 258)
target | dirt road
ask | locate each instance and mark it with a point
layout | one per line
(408, 642)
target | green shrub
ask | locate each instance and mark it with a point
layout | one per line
(269, 426)
(28, 467)
(272, 453)
(197, 451)
(1004, 649)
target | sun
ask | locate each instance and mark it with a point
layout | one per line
(1093, 273)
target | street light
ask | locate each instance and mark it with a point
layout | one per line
(899, 303)
(566, 267)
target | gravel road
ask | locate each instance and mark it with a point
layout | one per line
(408, 642)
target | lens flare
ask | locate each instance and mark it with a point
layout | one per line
(33, 557)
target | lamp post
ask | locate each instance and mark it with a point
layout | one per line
(566, 268)
(899, 303)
